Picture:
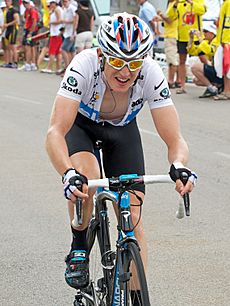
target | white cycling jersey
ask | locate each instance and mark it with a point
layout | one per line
(83, 82)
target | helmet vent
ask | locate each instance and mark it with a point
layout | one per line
(135, 35)
(121, 34)
(128, 24)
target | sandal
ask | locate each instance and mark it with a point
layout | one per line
(222, 97)
(181, 90)
(177, 85)
(171, 85)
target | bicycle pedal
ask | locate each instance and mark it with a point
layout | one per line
(78, 300)
(108, 260)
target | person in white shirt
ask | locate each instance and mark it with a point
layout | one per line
(56, 29)
(69, 22)
(3, 5)
(100, 96)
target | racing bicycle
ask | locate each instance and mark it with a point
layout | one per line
(122, 281)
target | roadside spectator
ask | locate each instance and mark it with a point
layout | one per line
(170, 45)
(148, 13)
(56, 31)
(31, 17)
(204, 72)
(223, 38)
(84, 26)
(44, 43)
(69, 35)
(189, 14)
(10, 27)
(2, 7)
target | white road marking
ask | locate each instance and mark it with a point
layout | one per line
(21, 99)
(222, 154)
(148, 132)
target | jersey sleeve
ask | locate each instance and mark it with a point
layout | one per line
(156, 88)
(74, 83)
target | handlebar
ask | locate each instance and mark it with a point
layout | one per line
(125, 181)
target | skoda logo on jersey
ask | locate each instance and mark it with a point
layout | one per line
(70, 89)
(164, 93)
(72, 81)
(137, 102)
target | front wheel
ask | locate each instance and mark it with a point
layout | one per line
(135, 284)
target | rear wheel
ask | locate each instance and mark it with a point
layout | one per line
(134, 283)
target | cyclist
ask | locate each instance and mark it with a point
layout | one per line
(99, 98)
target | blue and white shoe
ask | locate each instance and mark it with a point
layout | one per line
(77, 270)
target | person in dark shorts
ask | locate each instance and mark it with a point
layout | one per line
(189, 14)
(84, 26)
(10, 26)
(99, 98)
(30, 29)
(204, 72)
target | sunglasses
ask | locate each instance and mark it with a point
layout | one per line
(118, 63)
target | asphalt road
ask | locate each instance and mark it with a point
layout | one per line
(189, 259)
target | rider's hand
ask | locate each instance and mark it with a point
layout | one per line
(74, 182)
(177, 173)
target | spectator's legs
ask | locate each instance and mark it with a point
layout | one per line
(41, 56)
(28, 54)
(15, 53)
(51, 61)
(66, 57)
(226, 85)
(33, 54)
(182, 69)
(8, 56)
(58, 62)
(172, 72)
(198, 71)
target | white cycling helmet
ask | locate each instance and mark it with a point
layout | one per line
(125, 35)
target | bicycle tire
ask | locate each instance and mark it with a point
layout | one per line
(131, 256)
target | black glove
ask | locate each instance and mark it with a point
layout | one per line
(72, 180)
(179, 171)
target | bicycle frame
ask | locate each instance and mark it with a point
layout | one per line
(125, 233)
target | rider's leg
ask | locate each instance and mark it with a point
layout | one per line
(86, 163)
(77, 270)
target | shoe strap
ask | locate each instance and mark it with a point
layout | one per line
(78, 254)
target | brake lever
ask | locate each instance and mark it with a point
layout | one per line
(184, 179)
(78, 208)
(78, 216)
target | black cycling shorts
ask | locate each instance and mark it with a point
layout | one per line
(30, 43)
(121, 145)
(210, 74)
(182, 46)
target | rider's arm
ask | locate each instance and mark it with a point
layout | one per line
(167, 124)
(62, 118)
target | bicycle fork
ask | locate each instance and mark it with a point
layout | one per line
(126, 233)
